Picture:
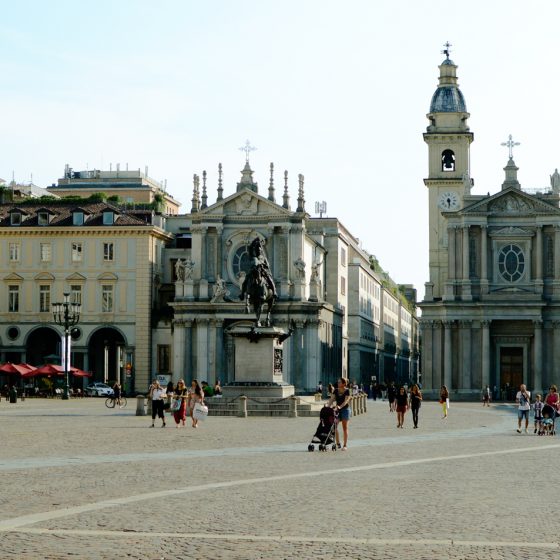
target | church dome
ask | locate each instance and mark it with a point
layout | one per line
(448, 97)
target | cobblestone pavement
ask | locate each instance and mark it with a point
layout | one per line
(81, 481)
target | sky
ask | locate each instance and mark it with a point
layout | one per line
(337, 91)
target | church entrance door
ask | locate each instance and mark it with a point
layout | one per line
(511, 369)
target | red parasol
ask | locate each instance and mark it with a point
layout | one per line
(77, 372)
(47, 369)
(15, 368)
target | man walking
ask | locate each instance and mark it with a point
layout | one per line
(523, 400)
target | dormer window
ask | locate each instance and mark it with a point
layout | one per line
(43, 218)
(108, 218)
(15, 218)
(78, 218)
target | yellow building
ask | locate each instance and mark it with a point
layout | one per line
(106, 259)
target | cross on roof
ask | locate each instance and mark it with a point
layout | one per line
(447, 50)
(247, 149)
(510, 144)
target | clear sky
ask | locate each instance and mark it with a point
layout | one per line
(338, 91)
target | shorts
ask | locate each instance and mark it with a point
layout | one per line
(344, 414)
(522, 413)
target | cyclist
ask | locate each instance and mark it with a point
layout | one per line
(117, 392)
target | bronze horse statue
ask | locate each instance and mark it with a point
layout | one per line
(258, 287)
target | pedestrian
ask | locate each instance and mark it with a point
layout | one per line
(391, 394)
(486, 396)
(415, 403)
(156, 393)
(330, 390)
(523, 400)
(552, 398)
(181, 393)
(319, 388)
(341, 395)
(401, 406)
(444, 400)
(217, 388)
(538, 414)
(196, 396)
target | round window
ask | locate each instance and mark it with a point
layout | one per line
(13, 333)
(511, 263)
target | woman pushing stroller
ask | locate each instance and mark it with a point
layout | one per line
(341, 395)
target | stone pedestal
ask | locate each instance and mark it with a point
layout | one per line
(188, 289)
(259, 357)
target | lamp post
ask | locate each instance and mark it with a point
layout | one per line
(66, 314)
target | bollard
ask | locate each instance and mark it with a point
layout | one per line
(242, 413)
(140, 409)
(292, 412)
(353, 405)
(365, 404)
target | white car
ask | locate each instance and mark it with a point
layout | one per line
(98, 389)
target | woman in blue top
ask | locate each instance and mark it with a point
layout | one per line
(342, 397)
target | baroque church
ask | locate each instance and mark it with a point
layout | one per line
(491, 311)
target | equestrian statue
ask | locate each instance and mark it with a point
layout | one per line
(258, 286)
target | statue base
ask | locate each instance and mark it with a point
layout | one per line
(259, 358)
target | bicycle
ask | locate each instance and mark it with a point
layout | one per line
(111, 402)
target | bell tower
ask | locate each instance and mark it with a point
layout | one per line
(449, 139)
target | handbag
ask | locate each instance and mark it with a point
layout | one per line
(175, 405)
(200, 411)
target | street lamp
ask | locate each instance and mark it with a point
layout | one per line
(66, 314)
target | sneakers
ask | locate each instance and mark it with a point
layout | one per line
(526, 431)
(518, 430)
(345, 448)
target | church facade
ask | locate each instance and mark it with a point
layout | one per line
(491, 311)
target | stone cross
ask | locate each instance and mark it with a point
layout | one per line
(510, 144)
(247, 149)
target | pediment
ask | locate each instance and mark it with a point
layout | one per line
(108, 276)
(44, 276)
(76, 277)
(13, 277)
(512, 231)
(511, 202)
(245, 203)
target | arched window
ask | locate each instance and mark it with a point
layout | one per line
(448, 160)
(241, 262)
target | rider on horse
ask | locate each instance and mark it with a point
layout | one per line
(260, 271)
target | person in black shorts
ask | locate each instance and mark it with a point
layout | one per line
(391, 395)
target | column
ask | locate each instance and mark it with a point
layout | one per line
(537, 367)
(220, 352)
(556, 262)
(219, 254)
(539, 263)
(449, 294)
(201, 371)
(484, 259)
(178, 350)
(447, 355)
(437, 355)
(427, 354)
(188, 352)
(556, 350)
(466, 283)
(485, 353)
(466, 365)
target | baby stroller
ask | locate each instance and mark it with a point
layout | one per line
(324, 435)
(549, 420)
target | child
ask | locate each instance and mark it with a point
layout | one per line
(547, 425)
(537, 408)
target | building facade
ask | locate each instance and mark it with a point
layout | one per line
(317, 265)
(106, 259)
(491, 313)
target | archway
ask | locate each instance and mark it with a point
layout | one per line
(41, 344)
(104, 361)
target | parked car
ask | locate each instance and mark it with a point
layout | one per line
(98, 389)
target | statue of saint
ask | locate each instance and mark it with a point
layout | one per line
(180, 270)
(315, 271)
(300, 268)
(189, 268)
(220, 291)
